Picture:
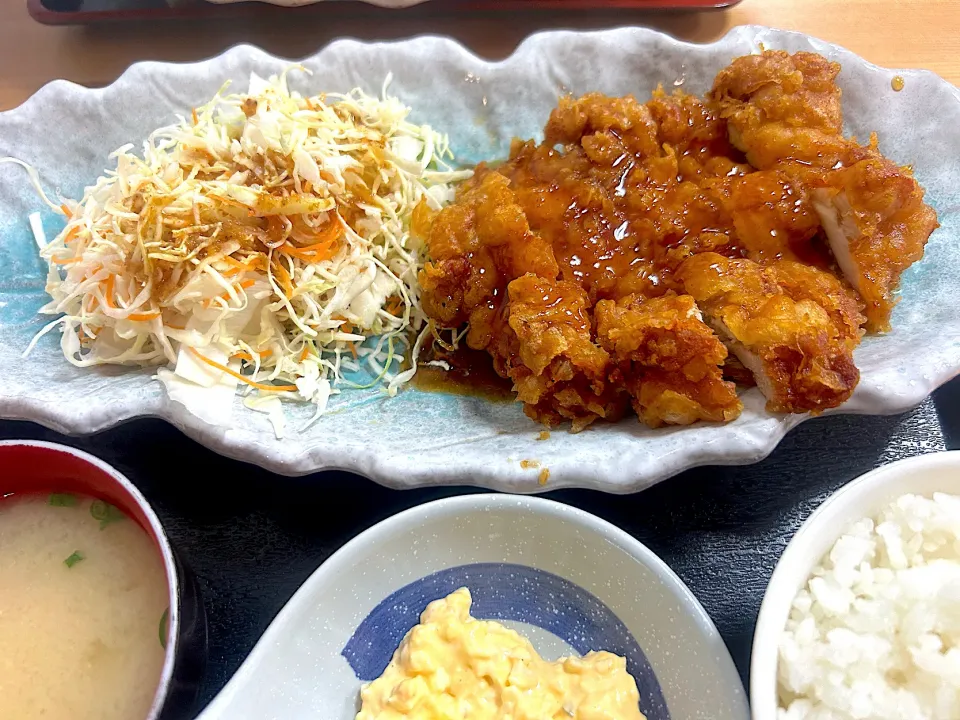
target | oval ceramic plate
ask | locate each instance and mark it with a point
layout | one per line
(421, 438)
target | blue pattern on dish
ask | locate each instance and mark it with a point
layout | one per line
(504, 591)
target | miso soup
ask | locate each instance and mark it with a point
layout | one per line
(83, 595)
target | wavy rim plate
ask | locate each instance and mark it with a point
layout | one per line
(421, 438)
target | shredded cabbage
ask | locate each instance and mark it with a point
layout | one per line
(263, 240)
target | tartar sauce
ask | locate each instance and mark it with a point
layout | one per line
(452, 666)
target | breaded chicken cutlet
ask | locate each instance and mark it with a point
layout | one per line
(614, 264)
(784, 113)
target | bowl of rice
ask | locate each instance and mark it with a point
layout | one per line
(861, 619)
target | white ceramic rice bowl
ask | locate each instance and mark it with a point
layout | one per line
(864, 497)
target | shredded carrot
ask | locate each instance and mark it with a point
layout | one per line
(284, 278)
(143, 317)
(71, 234)
(247, 356)
(108, 291)
(66, 210)
(304, 353)
(353, 350)
(238, 267)
(241, 378)
(253, 261)
(66, 261)
(323, 249)
(233, 261)
(193, 112)
(175, 327)
(311, 253)
(333, 231)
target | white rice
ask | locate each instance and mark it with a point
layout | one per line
(875, 633)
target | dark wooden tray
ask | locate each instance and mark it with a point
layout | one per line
(84, 12)
(252, 538)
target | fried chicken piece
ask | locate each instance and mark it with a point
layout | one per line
(668, 359)
(784, 112)
(772, 216)
(795, 327)
(476, 246)
(566, 199)
(737, 373)
(684, 121)
(621, 220)
(605, 127)
(878, 225)
(782, 107)
(697, 135)
(559, 373)
(577, 263)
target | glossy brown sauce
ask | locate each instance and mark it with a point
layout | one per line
(471, 373)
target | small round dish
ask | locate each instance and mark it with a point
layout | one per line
(861, 498)
(40, 467)
(565, 579)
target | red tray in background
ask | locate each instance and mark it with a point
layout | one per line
(93, 11)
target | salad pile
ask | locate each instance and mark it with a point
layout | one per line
(263, 241)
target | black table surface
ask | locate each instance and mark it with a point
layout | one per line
(252, 537)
